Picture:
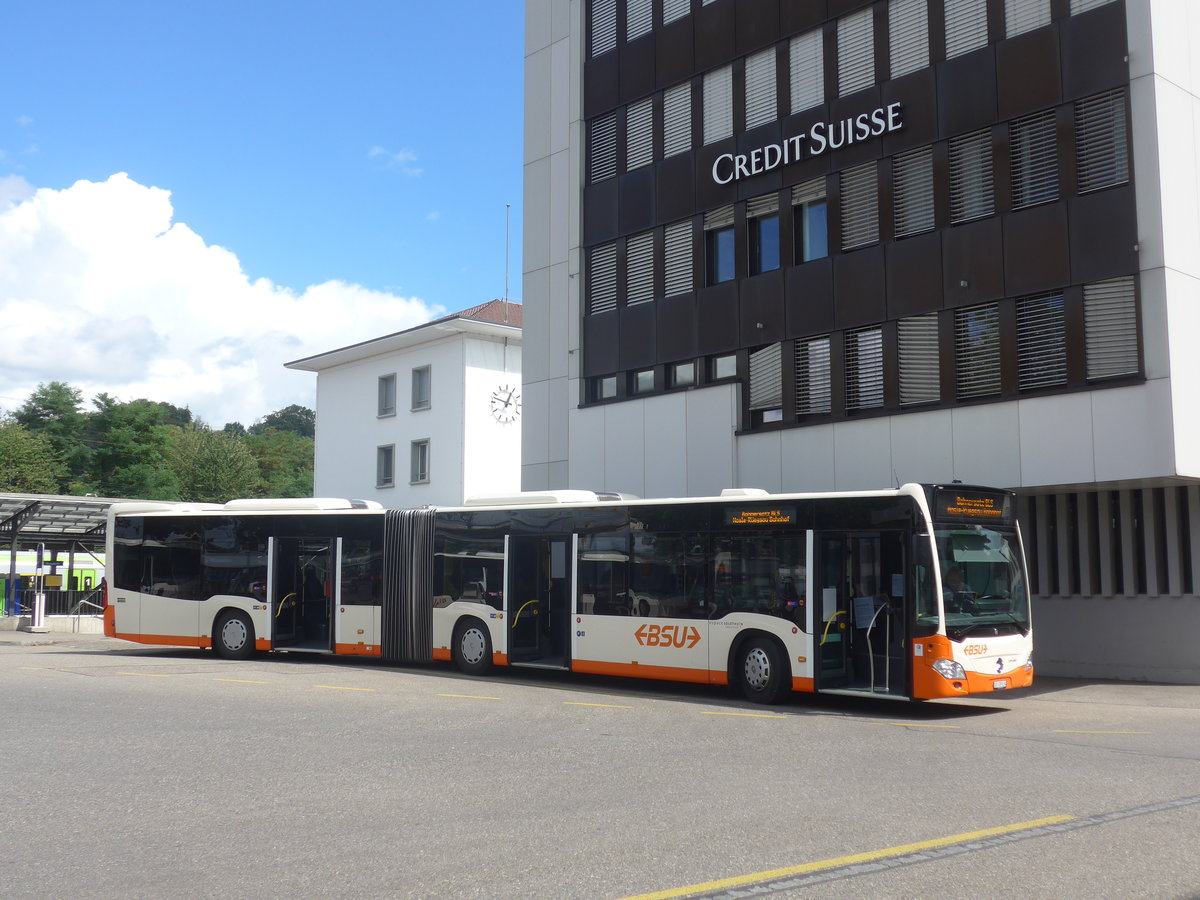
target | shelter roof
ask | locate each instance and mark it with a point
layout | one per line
(52, 520)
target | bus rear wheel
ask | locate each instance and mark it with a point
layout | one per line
(472, 647)
(233, 636)
(761, 671)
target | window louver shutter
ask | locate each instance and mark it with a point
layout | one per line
(603, 149)
(1021, 16)
(856, 52)
(762, 206)
(917, 337)
(1041, 342)
(1110, 328)
(971, 189)
(639, 268)
(908, 35)
(808, 191)
(602, 279)
(721, 217)
(639, 134)
(718, 105)
(677, 250)
(912, 178)
(761, 106)
(860, 207)
(677, 119)
(675, 9)
(1078, 6)
(864, 369)
(813, 383)
(1034, 159)
(977, 351)
(766, 377)
(1103, 153)
(604, 26)
(807, 61)
(639, 18)
(966, 26)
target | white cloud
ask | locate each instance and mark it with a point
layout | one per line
(400, 159)
(101, 289)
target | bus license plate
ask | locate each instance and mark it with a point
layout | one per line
(1000, 685)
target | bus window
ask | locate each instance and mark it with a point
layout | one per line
(668, 576)
(603, 575)
(764, 573)
(469, 568)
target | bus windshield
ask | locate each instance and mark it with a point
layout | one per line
(983, 592)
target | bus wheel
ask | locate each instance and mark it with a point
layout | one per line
(472, 647)
(761, 671)
(233, 636)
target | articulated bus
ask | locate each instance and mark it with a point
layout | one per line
(917, 593)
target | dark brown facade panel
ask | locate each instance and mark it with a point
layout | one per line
(717, 319)
(600, 344)
(1027, 73)
(762, 308)
(757, 24)
(709, 194)
(638, 68)
(972, 262)
(638, 341)
(914, 275)
(1076, 337)
(801, 15)
(918, 95)
(600, 212)
(966, 89)
(808, 298)
(636, 207)
(842, 7)
(810, 166)
(767, 182)
(676, 328)
(847, 108)
(1095, 51)
(601, 83)
(859, 288)
(715, 44)
(1036, 250)
(675, 189)
(1103, 231)
(674, 52)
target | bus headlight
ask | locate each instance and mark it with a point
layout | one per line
(950, 670)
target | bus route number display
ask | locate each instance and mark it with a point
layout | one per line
(781, 515)
(975, 505)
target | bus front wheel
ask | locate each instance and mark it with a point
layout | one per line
(472, 647)
(233, 636)
(761, 670)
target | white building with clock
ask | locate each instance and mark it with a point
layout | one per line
(430, 415)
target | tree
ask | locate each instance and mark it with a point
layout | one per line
(131, 444)
(235, 429)
(285, 463)
(297, 419)
(211, 466)
(28, 462)
(54, 411)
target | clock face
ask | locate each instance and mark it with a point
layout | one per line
(506, 403)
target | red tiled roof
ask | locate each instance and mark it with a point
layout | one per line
(500, 312)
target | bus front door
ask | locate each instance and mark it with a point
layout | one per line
(303, 582)
(832, 614)
(536, 601)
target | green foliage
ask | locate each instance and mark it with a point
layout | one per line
(28, 461)
(297, 419)
(285, 463)
(131, 446)
(212, 466)
(54, 411)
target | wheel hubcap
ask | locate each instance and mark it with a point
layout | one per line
(233, 634)
(472, 645)
(758, 669)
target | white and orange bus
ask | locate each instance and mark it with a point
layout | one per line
(918, 592)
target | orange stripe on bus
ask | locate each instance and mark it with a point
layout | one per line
(635, 670)
(499, 659)
(166, 640)
(110, 621)
(262, 644)
(359, 649)
(804, 685)
(442, 654)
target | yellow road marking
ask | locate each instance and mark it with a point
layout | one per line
(1063, 731)
(910, 725)
(239, 681)
(468, 697)
(839, 861)
(601, 705)
(746, 715)
(334, 687)
(147, 674)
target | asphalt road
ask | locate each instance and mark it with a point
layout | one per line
(134, 772)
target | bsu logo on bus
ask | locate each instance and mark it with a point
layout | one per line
(668, 636)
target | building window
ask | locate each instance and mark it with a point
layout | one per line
(1110, 328)
(762, 218)
(1078, 6)
(639, 268)
(604, 387)
(807, 63)
(641, 381)
(682, 374)
(419, 468)
(639, 18)
(677, 258)
(1034, 159)
(766, 384)
(639, 134)
(761, 93)
(721, 367)
(675, 9)
(677, 119)
(908, 36)
(971, 192)
(810, 226)
(602, 279)
(860, 207)
(720, 262)
(385, 466)
(603, 147)
(1021, 16)
(604, 26)
(864, 368)
(966, 26)
(718, 105)
(856, 52)
(1041, 342)
(977, 351)
(917, 346)
(387, 395)
(1100, 142)
(421, 388)
(912, 185)
(814, 383)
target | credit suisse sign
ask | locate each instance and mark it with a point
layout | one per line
(821, 137)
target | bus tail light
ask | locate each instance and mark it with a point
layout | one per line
(950, 670)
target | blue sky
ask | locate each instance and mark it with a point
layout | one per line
(299, 162)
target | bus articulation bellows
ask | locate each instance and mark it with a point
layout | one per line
(918, 592)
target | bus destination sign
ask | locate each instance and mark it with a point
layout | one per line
(781, 515)
(980, 506)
